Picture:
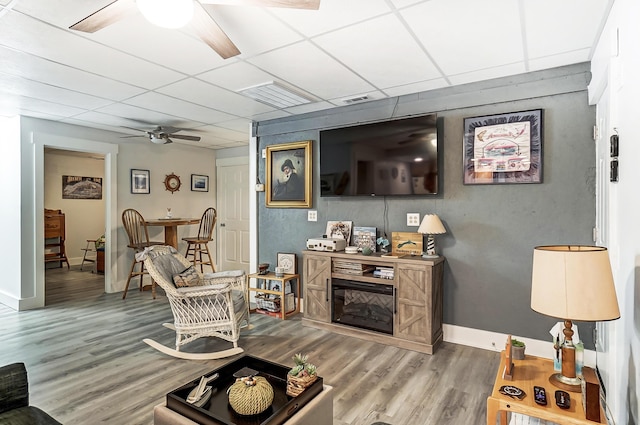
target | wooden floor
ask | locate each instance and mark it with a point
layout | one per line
(87, 363)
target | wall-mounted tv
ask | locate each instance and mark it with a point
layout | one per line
(387, 158)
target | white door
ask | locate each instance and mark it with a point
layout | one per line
(233, 215)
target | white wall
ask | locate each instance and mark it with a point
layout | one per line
(615, 67)
(84, 218)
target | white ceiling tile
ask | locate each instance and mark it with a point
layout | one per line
(486, 74)
(107, 119)
(168, 105)
(240, 125)
(12, 84)
(34, 68)
(309, 107)
(576, 56)
(24, 103)
(463, 36)
(145, 117)
(333, 14)
(271, 115)
(236, 76)
(312, 70)
(252, 29)
(416, 87)
(23, 33)
(544, 40)
(214, 97)
(381, 51)
(404, 3)
(225, 133)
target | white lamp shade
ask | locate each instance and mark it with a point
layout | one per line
(573, 282)
(431, 225)
(166, 13)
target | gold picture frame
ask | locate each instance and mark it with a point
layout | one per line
(288, 175)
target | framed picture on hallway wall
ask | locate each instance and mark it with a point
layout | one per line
(140, 181)
(504, 148)
(288, 175)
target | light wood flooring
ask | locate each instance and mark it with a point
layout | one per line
(87, 363)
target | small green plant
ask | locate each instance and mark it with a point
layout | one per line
(302, 367)
(517, 343)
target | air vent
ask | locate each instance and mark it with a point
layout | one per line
(356, 99)
(274, 94)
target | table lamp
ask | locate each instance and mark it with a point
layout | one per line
(431, 225)
(572, 282)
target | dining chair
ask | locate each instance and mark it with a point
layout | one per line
(198, 245)
(136, 228)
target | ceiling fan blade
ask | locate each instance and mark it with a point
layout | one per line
(294, 4)
(106, 16)
(211, 33)
(185, 137)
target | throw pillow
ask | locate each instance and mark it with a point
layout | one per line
(188, 277)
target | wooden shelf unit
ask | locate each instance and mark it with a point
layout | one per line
(417, 322)
(261, 284)
(54, 235)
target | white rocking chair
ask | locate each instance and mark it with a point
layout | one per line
(214, 304)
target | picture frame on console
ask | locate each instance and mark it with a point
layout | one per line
(288, 175)
(503, 148)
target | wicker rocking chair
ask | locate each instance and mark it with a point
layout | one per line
(213, 304)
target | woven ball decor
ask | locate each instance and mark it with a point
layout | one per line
(250, 395)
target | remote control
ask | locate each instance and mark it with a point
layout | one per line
(540, 395)
(563, 400)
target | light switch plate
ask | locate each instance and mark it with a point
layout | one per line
(312, 215)
(413, 219)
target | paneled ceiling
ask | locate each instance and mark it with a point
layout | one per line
(134, 75)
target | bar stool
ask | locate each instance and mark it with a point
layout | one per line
(90, 243)
(199, 245)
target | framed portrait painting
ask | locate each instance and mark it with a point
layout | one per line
(288, 175)
(140, 181)
(504, 148)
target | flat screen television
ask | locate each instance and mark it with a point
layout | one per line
(388, 158)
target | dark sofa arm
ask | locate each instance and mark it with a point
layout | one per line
(14, 387)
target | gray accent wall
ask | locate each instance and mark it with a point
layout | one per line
(491, 229)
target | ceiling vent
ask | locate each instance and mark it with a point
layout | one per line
(356, 99)
(276, 95)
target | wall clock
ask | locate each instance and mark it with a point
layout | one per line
(172, 182)
(288, 261)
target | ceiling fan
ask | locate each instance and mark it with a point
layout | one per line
(162, 135)
(199, 19)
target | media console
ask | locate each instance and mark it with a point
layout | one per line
(409, 299)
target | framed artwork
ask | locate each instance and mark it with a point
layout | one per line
(288, 261)
(406, 243)
(140, 181)
(339, 230)
(504, 148)
(365, 237)
(76, 187)
(199, 183)
(288, 171)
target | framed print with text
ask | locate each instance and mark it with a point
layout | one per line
(504, 148)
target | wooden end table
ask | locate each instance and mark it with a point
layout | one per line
(261, 282)
(528, 373)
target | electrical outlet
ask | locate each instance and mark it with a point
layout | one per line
(413, 219)
(312, 215)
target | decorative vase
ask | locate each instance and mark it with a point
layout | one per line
(517, 353)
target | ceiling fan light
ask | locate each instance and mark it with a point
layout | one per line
(167, 13)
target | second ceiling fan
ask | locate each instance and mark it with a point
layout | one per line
(204, 25)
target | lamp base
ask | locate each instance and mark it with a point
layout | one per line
(425, 255)
(568, 384)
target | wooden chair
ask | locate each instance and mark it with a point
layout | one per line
(200, 244)
(136, 228)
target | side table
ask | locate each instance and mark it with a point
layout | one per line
(528, 373)
(261, 286)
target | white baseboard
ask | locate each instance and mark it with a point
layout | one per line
(494, 341)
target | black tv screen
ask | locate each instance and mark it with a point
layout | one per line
(398, 157)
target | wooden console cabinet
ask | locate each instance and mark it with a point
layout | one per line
(417, 282)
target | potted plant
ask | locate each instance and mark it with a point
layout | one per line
(301, 375)
(517, 349)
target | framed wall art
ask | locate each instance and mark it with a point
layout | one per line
(288, 261)
(199, 183)
(288, 175)
(76, 187)
(140, 181)
(504, 148)
(339, 230)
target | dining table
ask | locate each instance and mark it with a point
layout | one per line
(171, 227)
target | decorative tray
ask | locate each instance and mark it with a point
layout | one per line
(218, 411)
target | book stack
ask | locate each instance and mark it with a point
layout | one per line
(383, 272)
(347, 267)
